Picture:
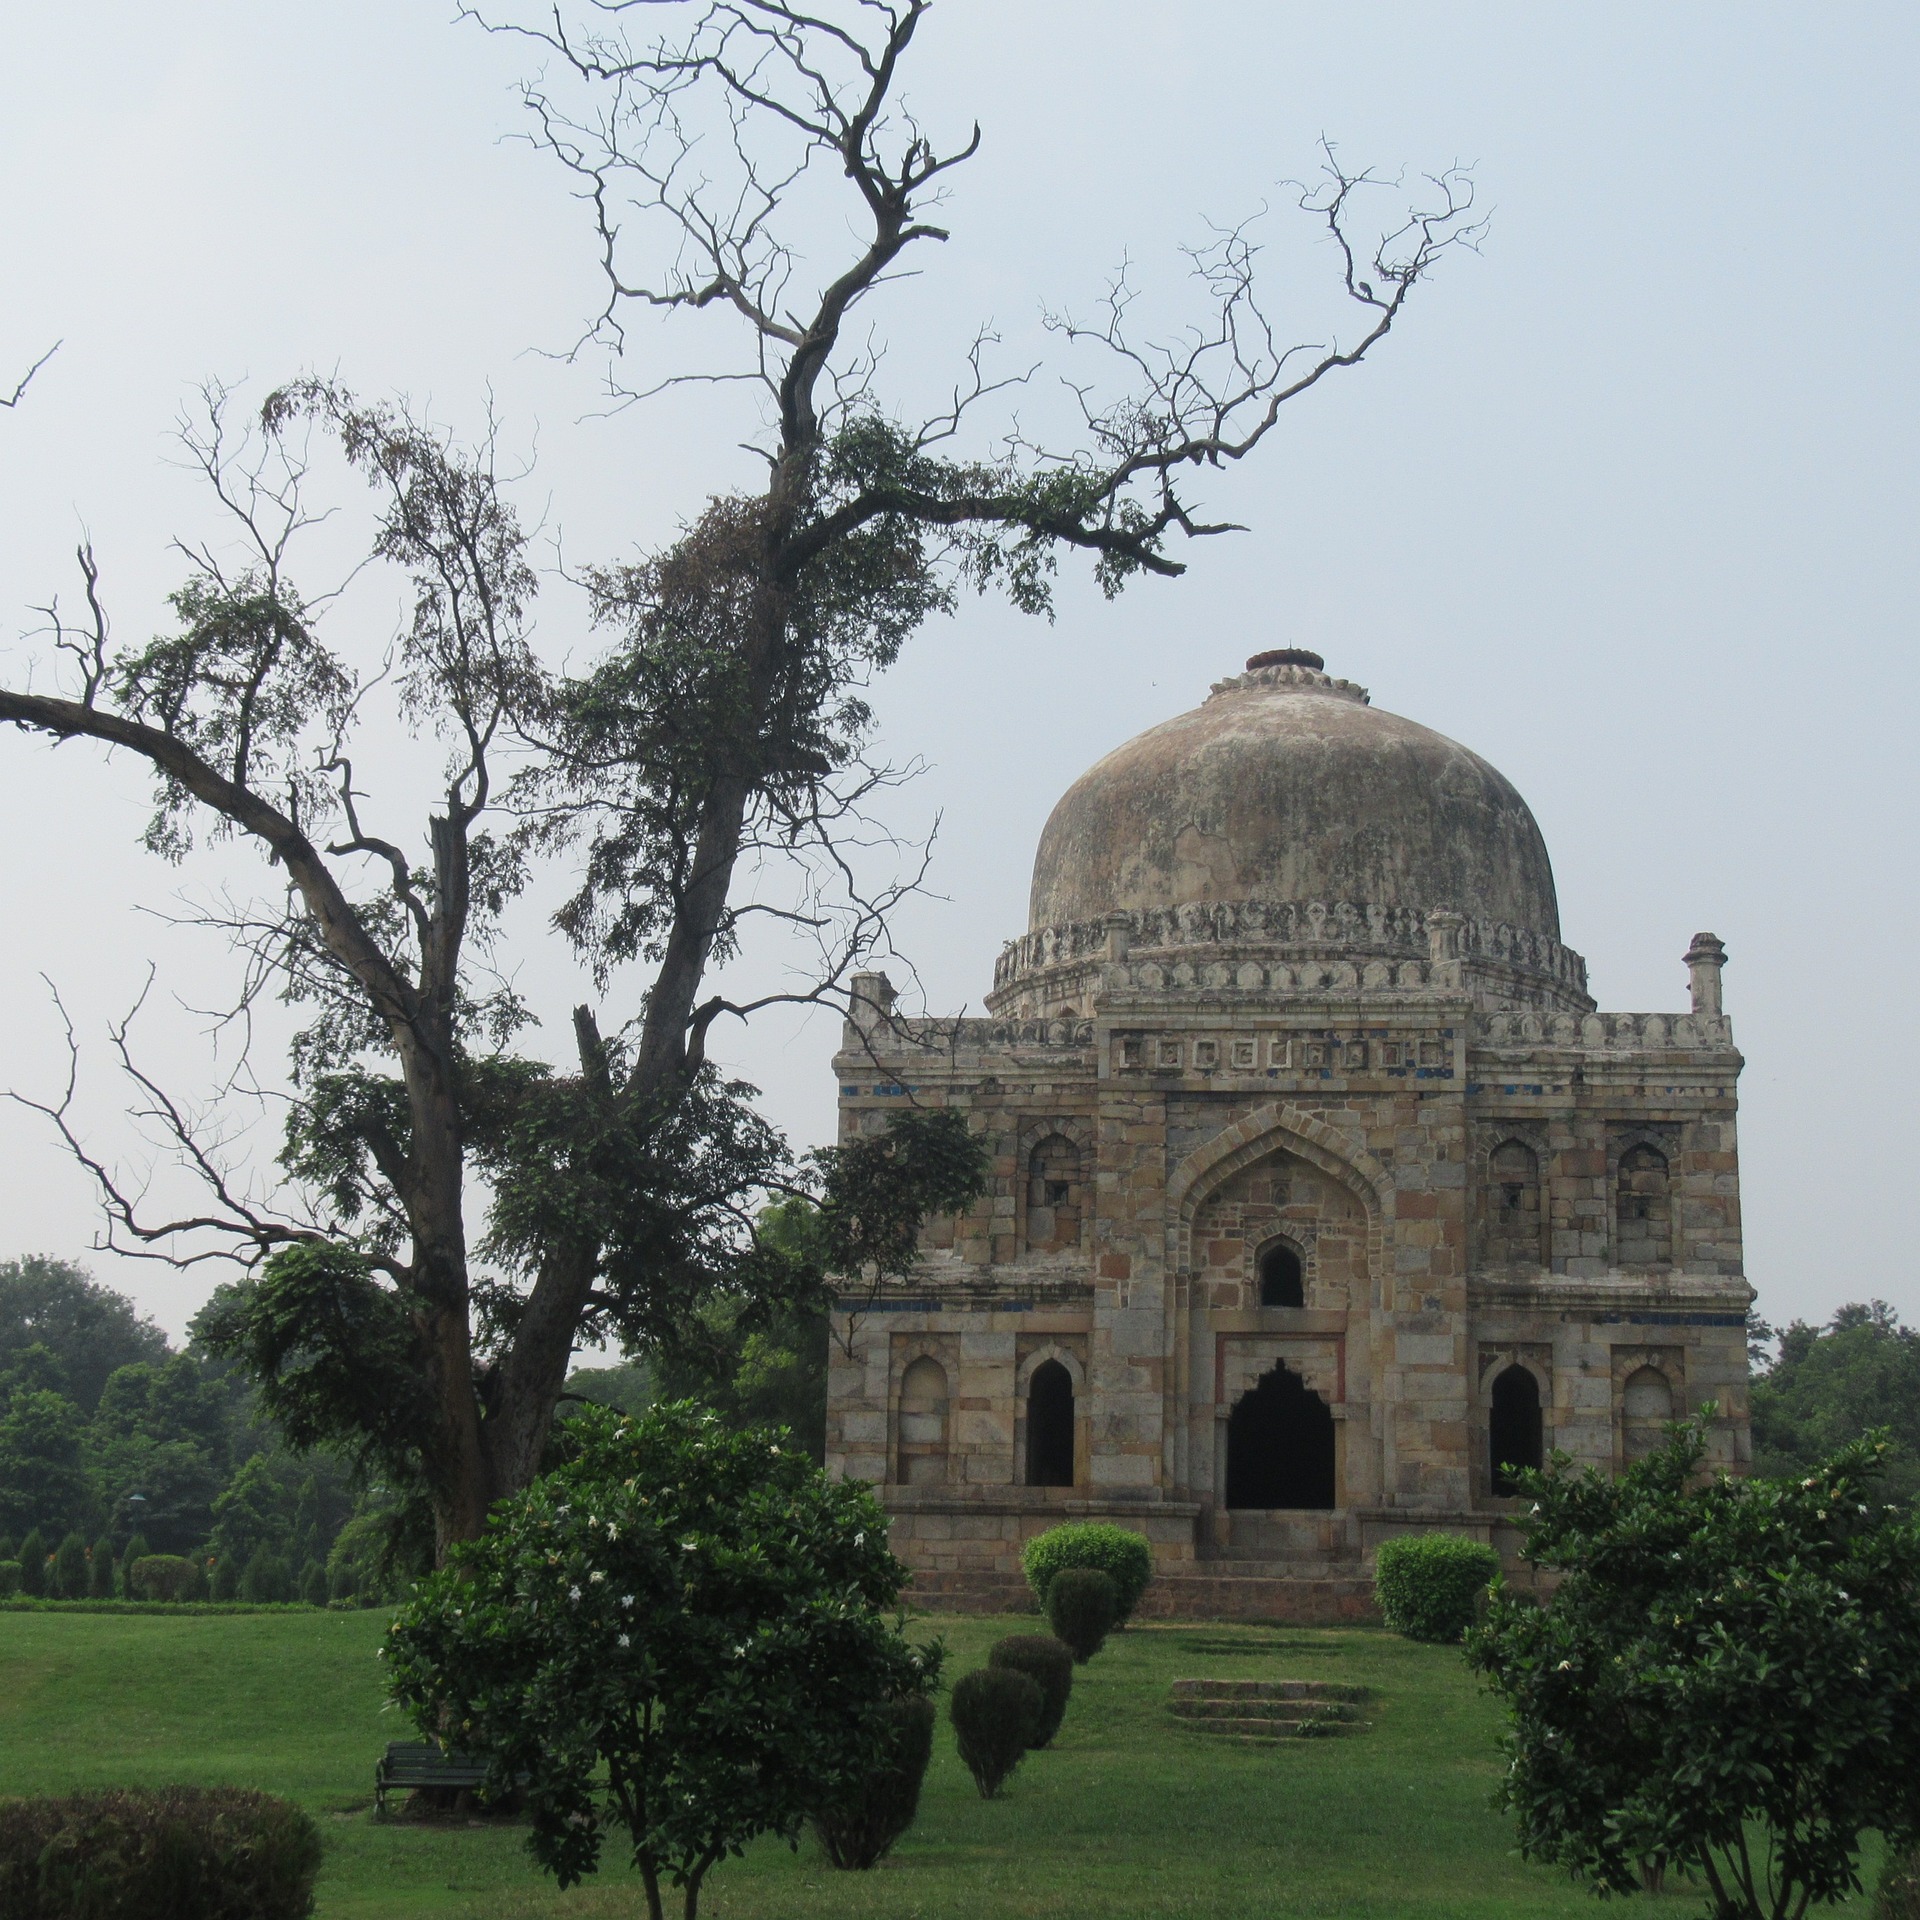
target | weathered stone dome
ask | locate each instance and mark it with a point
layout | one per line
(1286, 785)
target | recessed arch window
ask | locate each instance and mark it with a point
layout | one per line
(1283, 1276)
(922, 1451)
(1646, 1405)
(1513, 1428)
(1055, 1195)
(1050, 1426)
(1513, 1214)
(1643, 1208)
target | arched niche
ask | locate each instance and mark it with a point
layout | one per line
(922, 1427)
(1646, 1405)
(1050, 1426)
(1515, 1428)
(1281, 1275)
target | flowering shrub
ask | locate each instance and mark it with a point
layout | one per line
(681, 1635)
(1723, 1679)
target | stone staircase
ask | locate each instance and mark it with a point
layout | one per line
(1286, 1592)
(1262, 1713)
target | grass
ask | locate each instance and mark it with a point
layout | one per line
(1128, 1817)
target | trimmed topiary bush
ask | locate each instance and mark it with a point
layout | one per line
(167, 1853)
(199, 1587)
(1430, 1585)
(1082, 1604)
(1048, 1663)
(1118, 1552)
(995, 1712)
(267, 1578)
(100, 1570)
(160, 1576)
(33, 1564)
(8, 1551)
(137, 1549)
(859, 1831)
(70, 1570)
(225, 1584)
(313, 1584)
(9, 1578)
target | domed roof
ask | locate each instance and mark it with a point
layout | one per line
(1286, 785)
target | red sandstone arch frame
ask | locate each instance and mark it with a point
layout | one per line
(1275, 1128)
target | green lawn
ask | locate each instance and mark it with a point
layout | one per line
(1128, 1815)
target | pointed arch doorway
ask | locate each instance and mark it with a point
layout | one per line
(1280, 1450)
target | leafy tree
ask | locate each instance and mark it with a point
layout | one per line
(42, 1479)
(1722, 1679)
(158, 1449)
(1826, 1386)
(456, 1217)
(91, 1330)
(680, 1636)
(34, 1555)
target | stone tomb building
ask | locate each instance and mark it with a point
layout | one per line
(1322, 1194)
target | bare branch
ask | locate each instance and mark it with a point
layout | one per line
(26, 379)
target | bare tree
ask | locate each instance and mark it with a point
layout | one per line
(721, 728)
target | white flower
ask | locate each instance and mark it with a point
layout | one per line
(687, 1546)
(859, 1539)
(573, 1593)
(1565, 1666)
(595, 1577)
(626, 1640)
(626, 1599)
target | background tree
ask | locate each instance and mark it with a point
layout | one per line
(91, 1330)
(1825, 1386)
(717, 744)
(681, 1638)
(1720, 1681)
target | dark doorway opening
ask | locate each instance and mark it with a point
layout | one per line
(1283, 1280)
(1050, 1426)
(1280, 1446)
(1513, 1431)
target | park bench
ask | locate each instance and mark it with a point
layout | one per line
(409, 1766)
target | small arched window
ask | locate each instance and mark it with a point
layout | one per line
(1646, 1405)
(1513, 1219)
(1054, 1195)
(1514, 1428)
(923, 1423)
(1643, 1208)
(1050, 1426)
(1283, 1277)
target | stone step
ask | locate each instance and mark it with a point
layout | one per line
(1270, 1733)
(1337, 1691)
(1279, 1713)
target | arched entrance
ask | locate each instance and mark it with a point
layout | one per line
(1280, 1446)
(1050, 1426)
(1513, 1427)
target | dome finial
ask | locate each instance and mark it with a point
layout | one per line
(1286, 657)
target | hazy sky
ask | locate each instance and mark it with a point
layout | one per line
(1628, 507)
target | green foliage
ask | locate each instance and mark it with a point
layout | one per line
(1830, 1385)
(697, 1612)
(1118, 1552)
(996, 1713)
(42, 1479)
(333, 1351)
(136, 1549)
(266, 1578)
(9, 1578)
(1720, 1663)
(70, 1570)
(860, 1827)
(168, 1853)
(100, 1570)
(164, 1576)
(313, 1584)
(34, 1555)
(1897, 1897)
(1083, 1606)
(224, 1581)
(89, 1329)
(1049, 1664)
(1430, 1585)
(879, 1189)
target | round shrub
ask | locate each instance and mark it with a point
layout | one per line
(69, 1580)
(100, 1570)
(995, 1712)
(9, 1578)
(160, 1576)
(1048, 1663)
(1430, 1585)
(1081, 1607)
(859, 1830)
(33, 1564)
(1120, 1553)
(267, 1578)
(166, 1853)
